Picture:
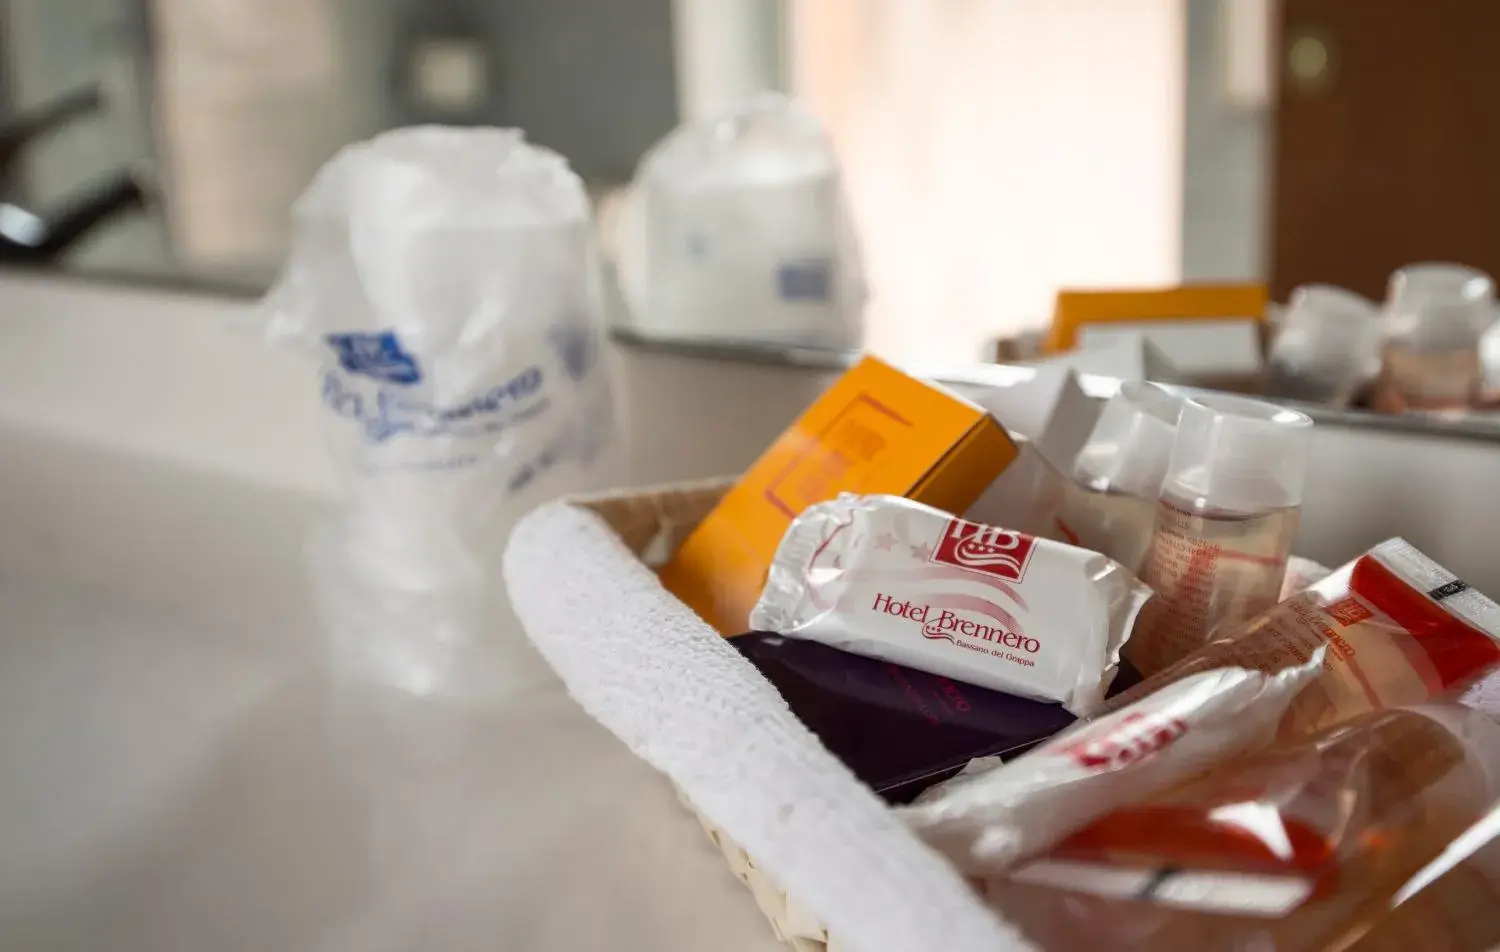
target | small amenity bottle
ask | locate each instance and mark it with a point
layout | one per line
(1111, 505)
(1224, 524)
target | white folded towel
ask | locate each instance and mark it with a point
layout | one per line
(651, 671)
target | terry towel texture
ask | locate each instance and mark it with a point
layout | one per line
(648, 669)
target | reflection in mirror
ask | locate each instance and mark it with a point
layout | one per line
(994, 158)
(222, 110)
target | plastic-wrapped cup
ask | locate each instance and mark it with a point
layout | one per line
(1224, 526)
(447, 279)
(1328, 345)
(746, 231)
(1117, 476)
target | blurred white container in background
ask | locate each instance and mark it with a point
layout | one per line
(1435, 316)
(1327, 345)
(737, 229)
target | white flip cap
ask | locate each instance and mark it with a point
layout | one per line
(1131, 445)
(1238, 454)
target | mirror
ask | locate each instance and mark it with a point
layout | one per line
(218, 112)
(993, 153)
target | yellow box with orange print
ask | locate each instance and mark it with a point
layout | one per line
(876, 430)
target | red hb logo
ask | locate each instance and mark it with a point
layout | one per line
(1136, 738)
(1349, 611)
(997, 552)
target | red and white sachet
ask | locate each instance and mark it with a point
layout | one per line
(986, 821)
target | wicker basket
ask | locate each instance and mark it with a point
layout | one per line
(567, 602)
(793, 924)
(577, 579)
(656, 523)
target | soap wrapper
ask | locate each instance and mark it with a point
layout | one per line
(893, 579)
(986, 821)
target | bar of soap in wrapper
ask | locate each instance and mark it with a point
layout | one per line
(893, 579)
(898, 729)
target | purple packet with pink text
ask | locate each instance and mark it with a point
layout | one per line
(898, 729)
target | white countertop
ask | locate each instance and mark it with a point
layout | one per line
(181, 771)
(180, 777)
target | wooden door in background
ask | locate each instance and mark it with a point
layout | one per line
(1387, 140)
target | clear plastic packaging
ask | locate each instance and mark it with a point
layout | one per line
(737, 228)
(1398, 628)
(1110, 505)
(1328, 346)
(1449, 904)
(448, 281)
(1302, 846)
(1224, 525)
(1435, 315)
(893, 579)
(1301, 574)
(987, 820)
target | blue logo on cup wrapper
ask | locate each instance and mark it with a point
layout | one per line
(376, 354)
(806, 279)
(577, 349)
(389, 412)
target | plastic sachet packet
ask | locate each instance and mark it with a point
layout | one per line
(1302, 846)
(893, 579)
(1397, 627)
(985, 821)
(1449, 902)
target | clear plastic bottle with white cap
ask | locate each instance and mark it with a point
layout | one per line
(1224, 524)
(1435, 315)
(1110, 506)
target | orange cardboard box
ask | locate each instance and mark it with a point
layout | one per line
(876, 430)
(1073, 309)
